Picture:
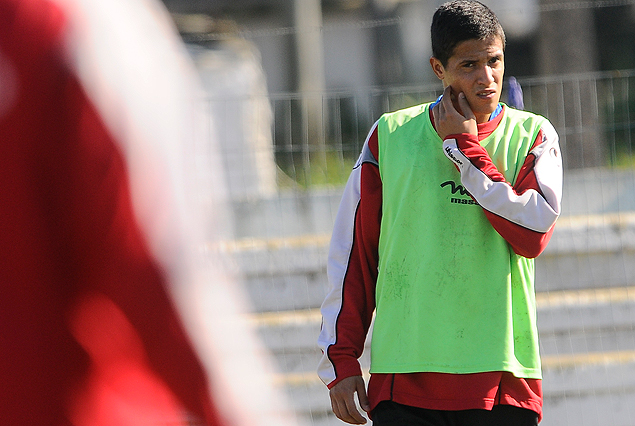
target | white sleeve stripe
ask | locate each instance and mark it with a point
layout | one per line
(548, 167)
(339, 256)
(338, 260)
(366, 155)
(530, 210)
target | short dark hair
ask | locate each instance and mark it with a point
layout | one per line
(461, 20)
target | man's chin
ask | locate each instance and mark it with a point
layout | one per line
(486, 109)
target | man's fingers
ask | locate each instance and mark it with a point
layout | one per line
(447, 92)
(435, 112)
(362, 397)
(446, 100)
(343, 400)
(465, 107)
(345, 410)
(454, 116)
(340, 410)
(357, 417)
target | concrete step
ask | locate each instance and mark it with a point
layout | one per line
(586, 321)
(590, 392)
(602, 319)
(585, 252)
(281, 274)
(598, 191)
(288, 214)
(589, 252)
(587, 345)
(290, 291)
(593, 394)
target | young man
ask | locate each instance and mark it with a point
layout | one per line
(442, 216)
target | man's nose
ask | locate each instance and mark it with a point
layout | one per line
(486, 75)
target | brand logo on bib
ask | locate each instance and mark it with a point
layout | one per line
(454, 188)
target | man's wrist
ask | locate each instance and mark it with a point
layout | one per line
(344, 371)
(462, 137)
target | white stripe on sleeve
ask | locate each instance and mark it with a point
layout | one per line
(530, 209)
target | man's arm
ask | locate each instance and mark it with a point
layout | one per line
(352, 271)
(525, 213)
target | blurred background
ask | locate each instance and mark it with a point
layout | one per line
(293, 87)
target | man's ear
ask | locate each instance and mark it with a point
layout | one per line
(437, 68)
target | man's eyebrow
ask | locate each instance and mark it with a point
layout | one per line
(469, 62)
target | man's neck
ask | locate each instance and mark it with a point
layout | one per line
(479, 120)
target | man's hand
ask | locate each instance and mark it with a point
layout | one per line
(343, 402)
(450, 121)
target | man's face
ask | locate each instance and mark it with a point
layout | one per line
(476, 68)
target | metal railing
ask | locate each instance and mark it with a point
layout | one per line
(317, 136)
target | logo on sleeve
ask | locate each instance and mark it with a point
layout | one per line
(448, 151)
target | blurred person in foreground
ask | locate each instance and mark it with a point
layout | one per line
(106, 317)
(442, 216)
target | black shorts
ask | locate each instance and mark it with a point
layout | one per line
(388, 413)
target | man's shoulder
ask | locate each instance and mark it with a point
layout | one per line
(412, 111)
(523, 115)
(405, 115)
(532, 122)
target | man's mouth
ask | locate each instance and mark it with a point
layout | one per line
(486, 94)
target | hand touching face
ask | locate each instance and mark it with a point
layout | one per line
(453, 115)
(475, 69)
